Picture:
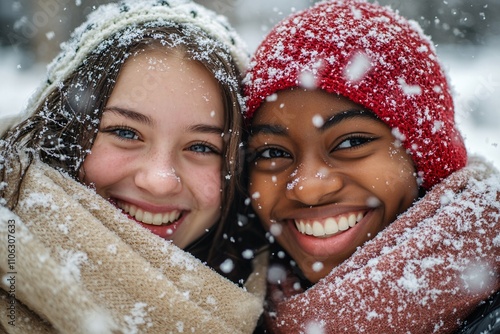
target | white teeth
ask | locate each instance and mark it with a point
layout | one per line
(138, 214)
(309, 229)
(318, 229)
(132, 210)
(352, 220)
(148, 217)
(328, 227)
(157, 219)
(343, 224)
(174, 215)
(331, 226)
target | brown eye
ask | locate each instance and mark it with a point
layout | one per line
(353, 142)
(272, 153)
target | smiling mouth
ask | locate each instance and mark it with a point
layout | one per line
(328, 226)
(149, 218)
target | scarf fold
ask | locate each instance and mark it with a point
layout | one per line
(72, 263)
(423, 274)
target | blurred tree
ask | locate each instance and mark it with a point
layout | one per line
(38, 27)
(473, 22)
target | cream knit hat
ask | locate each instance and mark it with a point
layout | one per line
(109, 19)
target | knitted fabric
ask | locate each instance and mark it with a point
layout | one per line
(107, 20)
(377, 59)
(424, 273)
(80, 266)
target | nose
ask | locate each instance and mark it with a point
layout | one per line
(312, 183)
(158, 175)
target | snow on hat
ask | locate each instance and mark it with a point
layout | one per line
(374, 57)
(109, 19)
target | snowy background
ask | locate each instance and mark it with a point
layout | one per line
(466, 33)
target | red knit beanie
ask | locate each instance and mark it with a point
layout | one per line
(374, 57)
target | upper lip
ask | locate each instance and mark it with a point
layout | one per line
(146, 206)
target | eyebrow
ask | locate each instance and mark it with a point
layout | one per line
(279, 130)
(133, 115)
(268, 129)
(202, 128)
(345, 115)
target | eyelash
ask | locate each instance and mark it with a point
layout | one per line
(259, 153)
(114, 132)
(364, 140)
(212, 149)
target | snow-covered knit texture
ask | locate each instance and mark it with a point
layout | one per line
(112, 18)
(81, 266)
(423, 274)
(377, 59)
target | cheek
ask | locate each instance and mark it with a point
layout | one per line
(206, 185)
(397, 174)
(102, 166)
(397, 184)
(263, 191)
(94, 167)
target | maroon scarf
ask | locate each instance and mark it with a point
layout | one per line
(423, 274)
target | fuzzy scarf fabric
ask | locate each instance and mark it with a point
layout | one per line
(423, 274)
(72, 263)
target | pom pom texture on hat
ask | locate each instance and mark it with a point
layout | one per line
(377, 59)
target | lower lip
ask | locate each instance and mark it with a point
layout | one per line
(335, 244)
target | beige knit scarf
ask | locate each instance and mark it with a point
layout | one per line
(72, 263)
(423, 274)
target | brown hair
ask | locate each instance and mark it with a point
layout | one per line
(64, 125)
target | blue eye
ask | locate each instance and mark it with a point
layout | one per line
(122, 132)
(125, 134)
(203, 148)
